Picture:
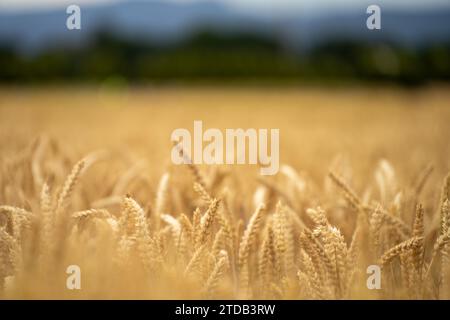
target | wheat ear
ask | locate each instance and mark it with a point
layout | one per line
(349, 194)
(68, 187)
(407, 245)
(216, 274)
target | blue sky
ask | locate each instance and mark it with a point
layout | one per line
(252, 4)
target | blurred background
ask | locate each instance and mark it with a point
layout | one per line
(208, 41)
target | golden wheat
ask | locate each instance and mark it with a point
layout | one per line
(219, 232)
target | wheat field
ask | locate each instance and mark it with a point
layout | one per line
(86, 179)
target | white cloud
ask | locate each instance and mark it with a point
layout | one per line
(264, 4)
(404, 4)
(31, 4)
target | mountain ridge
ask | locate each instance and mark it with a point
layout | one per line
(162, 22)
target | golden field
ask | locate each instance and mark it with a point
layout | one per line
(86, 179)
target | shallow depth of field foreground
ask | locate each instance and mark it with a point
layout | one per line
(86, 179)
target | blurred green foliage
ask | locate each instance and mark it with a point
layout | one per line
(208, 56)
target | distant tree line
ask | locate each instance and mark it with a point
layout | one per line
(210, 56)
